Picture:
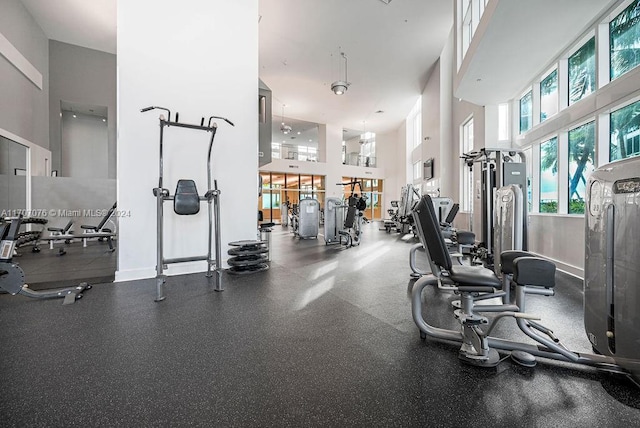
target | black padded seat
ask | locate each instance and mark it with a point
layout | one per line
(507, 258)
(466, 276)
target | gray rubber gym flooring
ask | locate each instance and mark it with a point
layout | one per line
(324, 338)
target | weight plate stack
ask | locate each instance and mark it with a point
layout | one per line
(248, 257)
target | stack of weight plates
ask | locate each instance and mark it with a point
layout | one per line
(248, 257)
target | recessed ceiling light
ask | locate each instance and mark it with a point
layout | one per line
(75, 115)
(299, 132)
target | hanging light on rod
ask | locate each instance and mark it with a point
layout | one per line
(283, 127)
(339, 87)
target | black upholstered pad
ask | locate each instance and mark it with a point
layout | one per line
(474, 276)
(466, 238)
(534, 271)
(507, 258)
(186, 200)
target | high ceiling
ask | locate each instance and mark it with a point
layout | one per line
(391, 48)
(87, 23)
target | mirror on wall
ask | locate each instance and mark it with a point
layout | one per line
(13, 177)
(84, 141)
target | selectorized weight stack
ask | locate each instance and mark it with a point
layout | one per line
(499, 168)
(186, 201)
(612, 272)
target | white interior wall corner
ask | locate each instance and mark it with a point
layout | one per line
(182, 58)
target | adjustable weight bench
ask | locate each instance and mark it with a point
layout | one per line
(99, 231)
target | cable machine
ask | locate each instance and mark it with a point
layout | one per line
(499, 168)
(186, 201)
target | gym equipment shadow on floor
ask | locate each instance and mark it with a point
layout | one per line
(324, 337)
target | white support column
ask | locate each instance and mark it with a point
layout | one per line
(198, 70)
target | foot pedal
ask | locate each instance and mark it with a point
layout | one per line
(69, 299)
(523, 359)
(490, 360)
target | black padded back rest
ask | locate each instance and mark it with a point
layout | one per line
(534, 271)
(426, 215)
(186, 200)
(66, 228)
(351, 212)
(106, 217)
(452, 214)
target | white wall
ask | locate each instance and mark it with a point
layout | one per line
(199, 58)
(24, 108)
(84, 147)
(389, 156)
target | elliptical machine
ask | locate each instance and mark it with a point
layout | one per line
(186, 201)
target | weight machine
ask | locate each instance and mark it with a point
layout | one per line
(343, 219)
(186, 201)
(499, 168)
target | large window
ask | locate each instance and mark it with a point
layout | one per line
(529, 166)
(625, 132)
(526, 112)
(466, 176)
(417, 171)
(582, 71)
(549, 96)
(414, 126)
(368, 149)
(581, 164)
(503, 121)
(624, 40)
(372, 191)
(549, 176)
(280, 188)
(471, 13)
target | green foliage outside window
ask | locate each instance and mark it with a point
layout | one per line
(582, 71)
(548, 96)
(526, 112)
(624, 36)
(581, 164)
(625, 130)
(549, 176)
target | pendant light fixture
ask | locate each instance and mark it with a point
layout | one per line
(283, 127)
(339, 87)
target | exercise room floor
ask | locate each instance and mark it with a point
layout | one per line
(48, 269)
(323, 338)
